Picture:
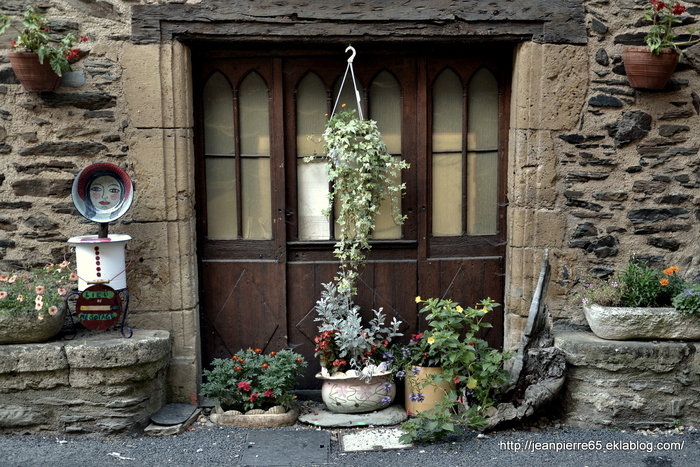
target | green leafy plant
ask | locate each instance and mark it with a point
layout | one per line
(362, 174)
(35, 36)
(638, 285)
(344, 342)
(253, 380)
(37, 291)
(688, 301)
(664, 16)
(474, 369)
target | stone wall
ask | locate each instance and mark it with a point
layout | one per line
(95, 383)
(628, 384)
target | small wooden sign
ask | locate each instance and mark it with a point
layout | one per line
(98, 307)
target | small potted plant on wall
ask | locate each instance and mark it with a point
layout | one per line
(651, 66)
(641, 302)
(39, 58)
(33, 303)
(353, 358)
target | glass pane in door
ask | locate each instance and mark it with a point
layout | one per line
(447, 155)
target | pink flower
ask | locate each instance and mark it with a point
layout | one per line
(244, 385)
(253, 397)
(269, 393)
(61, 291)
(53, 310)
(39, 289)
(40, 317)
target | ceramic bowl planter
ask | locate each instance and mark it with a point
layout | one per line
(33, 75)
(348, 393)
(646, 70)
(625, 323)
(256, 418)
(433, 393)
(28, 328)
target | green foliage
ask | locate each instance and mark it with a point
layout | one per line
(252, 380)
(664, 16)
(362, 174)
(343, 341)
(36, 291)
(639, 285)
(36, 37)
(688, 301)
(474, 369)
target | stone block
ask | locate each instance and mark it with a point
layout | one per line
(533, 169)
(542, 73)
(184, 379)
(535, 228)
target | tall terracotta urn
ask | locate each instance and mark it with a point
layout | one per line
(646, 70)
(33, 75)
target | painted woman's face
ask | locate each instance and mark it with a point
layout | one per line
(105, 192)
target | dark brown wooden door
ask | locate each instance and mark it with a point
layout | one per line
(261, 292)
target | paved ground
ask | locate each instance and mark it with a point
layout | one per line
(206, 445)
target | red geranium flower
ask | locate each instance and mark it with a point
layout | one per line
(244, 385)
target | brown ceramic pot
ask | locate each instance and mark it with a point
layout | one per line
(33, 75)
(646, 70)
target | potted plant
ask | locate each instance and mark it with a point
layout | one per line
(362, 174)
(32, 303)
(253, 388)
(449, 363)
(354, 359)
(641, 302)
(38, 58)
(651, 66)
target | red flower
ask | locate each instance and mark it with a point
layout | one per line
(298, 360)
(678, 9)
(269, 393)
(244, 385)
(456, 379)
(272, 354)
(265, 366)
(84, 39)
(73, 54)
(416, 337)
(258, 351)
(237, 368)
(658, 5)
(253, 397)
(234, 358)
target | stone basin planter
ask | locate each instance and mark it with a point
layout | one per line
(275, 417)
(30, 328)
(625, 323)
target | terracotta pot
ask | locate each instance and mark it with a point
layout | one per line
(625, 323)
(33, 75)
(26, 329)
(345, 393)
(646, 70)
(432, 393)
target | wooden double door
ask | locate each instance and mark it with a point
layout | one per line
(265, 249)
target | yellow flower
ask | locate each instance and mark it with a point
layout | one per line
(485, 310)
(418, 300)
(431, 340)
(459, 309)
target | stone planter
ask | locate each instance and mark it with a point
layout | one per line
(26, 329)
(348, 393)
(621, 323)
(276, 416)
(433, 393)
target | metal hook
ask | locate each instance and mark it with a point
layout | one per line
(352, 57)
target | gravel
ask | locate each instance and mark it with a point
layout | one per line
(205, 444)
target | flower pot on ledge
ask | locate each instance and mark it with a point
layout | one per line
(34, 76)
(646, 70)
(349, 393)
(650, 323)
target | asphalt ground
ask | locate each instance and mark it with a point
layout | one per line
(543, 444)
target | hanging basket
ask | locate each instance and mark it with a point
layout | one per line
(646, 70)
(33, 75)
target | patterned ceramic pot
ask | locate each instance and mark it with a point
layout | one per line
(348, 393)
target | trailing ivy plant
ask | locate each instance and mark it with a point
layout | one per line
(362, 174)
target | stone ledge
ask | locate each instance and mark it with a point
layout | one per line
(98, 382)
(628, 384)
